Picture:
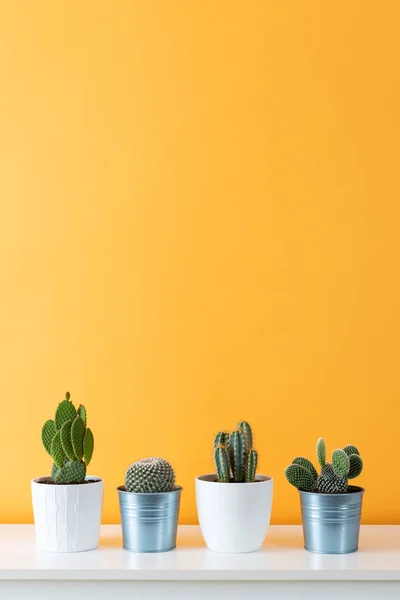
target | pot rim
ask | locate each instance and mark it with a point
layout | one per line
(260, 478)
(356, 490)
(177, 489)
(93, 478)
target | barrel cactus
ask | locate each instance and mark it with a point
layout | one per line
(150, 476)
(333, 478)
(69, 442)
(234, 456)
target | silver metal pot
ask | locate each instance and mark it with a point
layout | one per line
(149, 521)
(331, 522)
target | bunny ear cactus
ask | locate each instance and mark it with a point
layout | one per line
(69, 442)
(234, 456)
(333, 478)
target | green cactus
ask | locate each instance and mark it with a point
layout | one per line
(251, 466)
(221, 461)
(150, 476)
(321, 452)
(221, 439)
(236, 445)
(333, 478)
(245, 429)
(68, 442)
(234, 456)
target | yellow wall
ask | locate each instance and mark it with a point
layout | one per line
(199, 223)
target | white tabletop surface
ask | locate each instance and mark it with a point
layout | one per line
(282, 558)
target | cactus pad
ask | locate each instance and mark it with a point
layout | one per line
(221, 461)
(251, 466)
(48, 433)
(65, 412)
(56, 450)
(66, 442)
(82, 413)
(304, 462)
(329, 483)
(88, 446)
(77, 433)
(321, 452)
(356, 466)
(351, 450)
(300, 477)
(150, 475)
(340, 463)
(245, 428)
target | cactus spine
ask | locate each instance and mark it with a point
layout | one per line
(234, 456)
(333, 478)
(69, 442)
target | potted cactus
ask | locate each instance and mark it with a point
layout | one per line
(331, 508)
(67, 505)
(234, 504)
(149, 504)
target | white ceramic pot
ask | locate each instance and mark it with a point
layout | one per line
(234, 517)
(67, 517)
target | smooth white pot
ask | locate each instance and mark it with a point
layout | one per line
(234, 517)
(67, 517)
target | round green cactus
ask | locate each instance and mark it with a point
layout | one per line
(149, 476)
(68, 441)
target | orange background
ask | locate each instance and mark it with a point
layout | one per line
(199, 223)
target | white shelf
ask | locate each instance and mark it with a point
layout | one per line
(282, 559)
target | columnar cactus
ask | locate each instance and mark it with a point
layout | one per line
(234, 457)
(69, 442)
(149, 476)
(333, 479)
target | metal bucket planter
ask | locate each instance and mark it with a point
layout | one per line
(149, 521)
(331, 522)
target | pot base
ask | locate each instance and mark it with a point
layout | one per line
(336, 553)
(149, 551)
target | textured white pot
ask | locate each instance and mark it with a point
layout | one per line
(67, 517)
(234, 517)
